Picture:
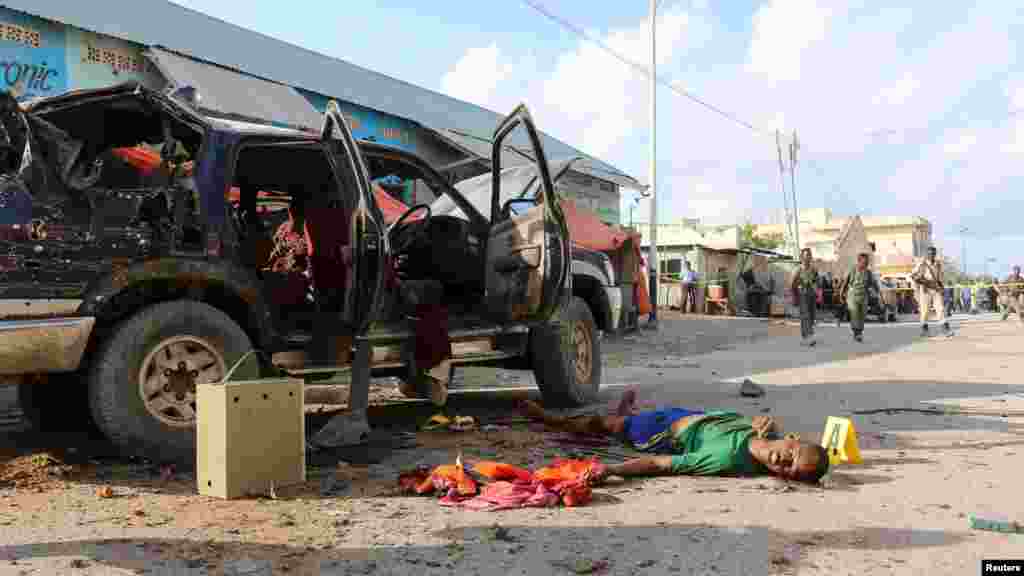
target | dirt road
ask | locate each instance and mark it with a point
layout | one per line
(905, 510)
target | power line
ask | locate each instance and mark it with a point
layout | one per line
(671, 86)
(891, 131)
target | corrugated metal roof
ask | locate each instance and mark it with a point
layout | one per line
(515, 155)
(185, 31)
(219, 89)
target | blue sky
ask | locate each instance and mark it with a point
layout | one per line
(935, 83)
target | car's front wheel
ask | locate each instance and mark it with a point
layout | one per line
(566, 357)
(142, 385)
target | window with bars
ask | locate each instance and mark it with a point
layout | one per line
(20, 35)
(119, 60)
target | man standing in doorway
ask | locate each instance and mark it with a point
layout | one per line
(1011, 294)
(927, 276)
(855, 291)
(689, 288)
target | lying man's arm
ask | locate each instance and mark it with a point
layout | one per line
(645, 466)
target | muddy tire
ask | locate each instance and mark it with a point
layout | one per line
(566, 357)
(142, 382)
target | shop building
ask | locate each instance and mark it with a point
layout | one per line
(48, 47)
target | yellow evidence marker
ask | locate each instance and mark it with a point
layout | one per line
(840, 441)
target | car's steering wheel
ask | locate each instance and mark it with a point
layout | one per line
(403, 237)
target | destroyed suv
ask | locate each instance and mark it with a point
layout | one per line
(122, 291)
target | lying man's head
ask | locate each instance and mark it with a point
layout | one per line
(791, 458)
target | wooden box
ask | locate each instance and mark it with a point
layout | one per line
(250, 437)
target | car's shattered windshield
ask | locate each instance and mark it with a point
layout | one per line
(516, 182)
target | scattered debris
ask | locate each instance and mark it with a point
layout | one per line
(458, 424)
(997, 525)
(751, 390)
(498, 532)
(582, 565)
(34, 470)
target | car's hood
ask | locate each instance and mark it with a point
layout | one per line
(516, 182)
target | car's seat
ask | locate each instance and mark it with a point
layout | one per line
(327, 242)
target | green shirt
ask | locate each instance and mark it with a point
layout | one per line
(859, 281)
(808, 279)
(716, 444)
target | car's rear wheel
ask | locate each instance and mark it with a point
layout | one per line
(566, 357)
(142, 385)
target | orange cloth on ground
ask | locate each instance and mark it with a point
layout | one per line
(502, 471)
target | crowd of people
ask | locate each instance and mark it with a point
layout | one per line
(815, 293)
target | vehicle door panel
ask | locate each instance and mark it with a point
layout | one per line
(367, 241)
(526, 268)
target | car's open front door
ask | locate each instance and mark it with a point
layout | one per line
(365, 247)
(527, 264)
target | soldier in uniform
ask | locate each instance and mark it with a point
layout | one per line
(855, 291)
(927, 275)
(805, 286)
(1011, 294)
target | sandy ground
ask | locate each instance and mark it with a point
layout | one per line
(905, 510)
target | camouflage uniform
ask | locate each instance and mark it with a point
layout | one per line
(857, 284)
(1012, 297)
(807, 285)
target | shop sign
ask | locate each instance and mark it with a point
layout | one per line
(32, 56)
(368, 124)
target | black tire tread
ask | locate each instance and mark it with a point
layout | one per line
(127, 428)
(553, 358)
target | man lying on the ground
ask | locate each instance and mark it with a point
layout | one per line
(691, 442)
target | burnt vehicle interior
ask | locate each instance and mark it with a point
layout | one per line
(296, 236)
(75, 176)
(434, 248)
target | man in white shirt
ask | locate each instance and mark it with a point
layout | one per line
(927, 276)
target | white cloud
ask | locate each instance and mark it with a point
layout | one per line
(783, 30)
(959, 144)
(835, 71)
(601, 98)
(476, 75)
(897, 93)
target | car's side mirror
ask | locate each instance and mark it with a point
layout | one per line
(517, 206)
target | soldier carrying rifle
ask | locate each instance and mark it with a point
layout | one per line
(927, 275)
(1011, 294)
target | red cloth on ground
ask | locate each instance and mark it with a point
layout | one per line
(564, 481)
(508, 495)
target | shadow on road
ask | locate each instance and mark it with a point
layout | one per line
(665, 548)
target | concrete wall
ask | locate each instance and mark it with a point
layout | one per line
(598, 196)
(48, 58)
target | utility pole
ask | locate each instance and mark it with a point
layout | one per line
(653, 252)
(785, 199)
(963, 250)
(794, 147)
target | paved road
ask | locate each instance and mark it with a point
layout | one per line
(904, 511)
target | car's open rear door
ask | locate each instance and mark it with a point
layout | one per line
(527, 267)
(367, 243)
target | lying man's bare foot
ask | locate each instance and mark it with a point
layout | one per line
(627, 404)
